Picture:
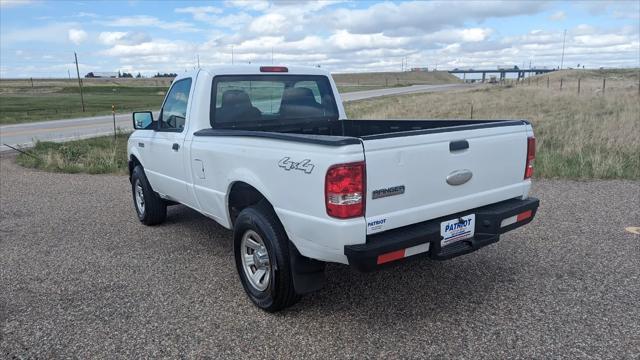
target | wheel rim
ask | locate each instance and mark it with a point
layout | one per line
(255, 260)
(139, 195)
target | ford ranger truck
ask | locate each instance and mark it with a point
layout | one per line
(268, 152)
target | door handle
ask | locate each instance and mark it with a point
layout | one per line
(458, 145)
(175, 147)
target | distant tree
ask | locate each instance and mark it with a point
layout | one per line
(139, 75)
(165, 75)
(119, 74)
(126, 75)
(89, 75)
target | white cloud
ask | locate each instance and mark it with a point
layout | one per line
(77, 36)
(120, 37)
(254, 5)
(13, 3)
(558, 16)
(149, 21)
(201, 13)
(273, 23)
(390, 17)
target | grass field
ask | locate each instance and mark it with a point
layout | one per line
(591, 135)
(52, 99)
(60, 99)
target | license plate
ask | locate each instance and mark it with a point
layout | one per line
(457, 229)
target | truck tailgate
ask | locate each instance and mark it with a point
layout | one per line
(417, 177)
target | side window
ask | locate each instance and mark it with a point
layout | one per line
(174, 111)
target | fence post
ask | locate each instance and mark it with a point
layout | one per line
(31, 83)
(561, 84)
(604, 85)
(547, 82)
(471, 111)
(578, 86)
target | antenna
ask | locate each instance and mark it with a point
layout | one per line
(564, 38)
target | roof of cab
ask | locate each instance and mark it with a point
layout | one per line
(254, 69)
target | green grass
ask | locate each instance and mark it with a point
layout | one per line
(64, 102)
(101, 155)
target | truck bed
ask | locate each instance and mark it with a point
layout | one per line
(346, 132)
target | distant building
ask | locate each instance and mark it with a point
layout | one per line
(420, 69)
(102, 74)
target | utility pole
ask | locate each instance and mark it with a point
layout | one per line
(79, 81)
(69, 73)
(564, 39)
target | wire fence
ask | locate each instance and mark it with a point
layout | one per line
(578, 86)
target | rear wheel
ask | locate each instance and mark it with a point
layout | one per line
(151, 209)
(262, 258)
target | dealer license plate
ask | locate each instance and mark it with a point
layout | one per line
(457, 229)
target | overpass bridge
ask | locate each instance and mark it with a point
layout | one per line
(503, 72)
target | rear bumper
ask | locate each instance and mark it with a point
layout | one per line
(491, 221)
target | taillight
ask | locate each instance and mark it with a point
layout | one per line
(531, 155)
(345, 190)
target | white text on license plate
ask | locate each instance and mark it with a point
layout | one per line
(457, 229)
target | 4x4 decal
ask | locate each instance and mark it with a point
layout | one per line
(304, 165)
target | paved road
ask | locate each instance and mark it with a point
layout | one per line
(413, 89)
(81, 278)
(61, 130)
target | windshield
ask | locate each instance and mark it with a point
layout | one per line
(252, 100)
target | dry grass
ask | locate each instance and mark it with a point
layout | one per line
(590, 135)
(388, 79)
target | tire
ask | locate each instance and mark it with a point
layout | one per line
(152, 210)
(260, 224)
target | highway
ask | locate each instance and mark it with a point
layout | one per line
(25, 134)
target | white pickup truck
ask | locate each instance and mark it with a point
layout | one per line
(268, 152)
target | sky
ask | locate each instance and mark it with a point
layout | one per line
(38, 38)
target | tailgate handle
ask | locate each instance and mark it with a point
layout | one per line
(458, 145)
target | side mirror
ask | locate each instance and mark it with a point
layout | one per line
(143, 120)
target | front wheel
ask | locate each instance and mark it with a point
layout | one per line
(151, 209)
(261, 249)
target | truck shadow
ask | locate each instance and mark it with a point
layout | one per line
(414, 287)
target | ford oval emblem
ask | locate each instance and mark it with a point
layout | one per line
(459, 177)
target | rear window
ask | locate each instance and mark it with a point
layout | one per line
(247, 100)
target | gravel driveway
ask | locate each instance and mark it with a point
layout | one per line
(80, 277)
